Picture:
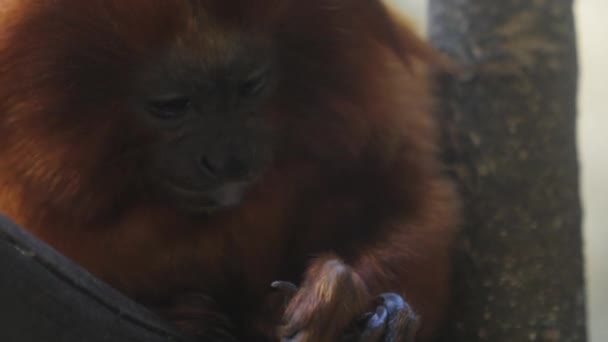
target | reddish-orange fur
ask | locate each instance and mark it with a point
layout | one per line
(357, 173)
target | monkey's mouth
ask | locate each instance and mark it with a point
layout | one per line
(194, 200)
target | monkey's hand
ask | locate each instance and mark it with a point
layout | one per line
(331, 306)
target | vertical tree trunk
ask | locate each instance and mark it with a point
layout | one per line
(519, 270)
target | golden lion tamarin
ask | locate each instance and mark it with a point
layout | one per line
(193, 152)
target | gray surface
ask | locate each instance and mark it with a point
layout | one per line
(46, 297)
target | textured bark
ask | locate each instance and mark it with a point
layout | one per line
(512, 113)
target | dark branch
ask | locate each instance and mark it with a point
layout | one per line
(519, 274)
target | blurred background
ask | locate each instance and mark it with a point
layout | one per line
(593, 147)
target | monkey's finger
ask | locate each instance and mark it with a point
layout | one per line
(402, 322)
(392, 321)
(375, 325)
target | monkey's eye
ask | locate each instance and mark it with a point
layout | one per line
(171, 107)
(253, 86)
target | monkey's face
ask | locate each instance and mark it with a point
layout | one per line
(160, 100)
(207, 105)
(187, 102)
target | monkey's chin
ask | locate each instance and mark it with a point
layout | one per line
(194, 201)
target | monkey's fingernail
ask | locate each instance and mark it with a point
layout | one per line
(284, 286)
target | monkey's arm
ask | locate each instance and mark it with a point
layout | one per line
(414, 259)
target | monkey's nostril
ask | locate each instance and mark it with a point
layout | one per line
(207, 166)
(228, 167)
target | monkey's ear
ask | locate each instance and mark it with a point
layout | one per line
(395, 31)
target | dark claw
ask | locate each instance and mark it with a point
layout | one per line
(393, 321)
(285, 286)
(287, 290)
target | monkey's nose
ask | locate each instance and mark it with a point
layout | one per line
(230, 166)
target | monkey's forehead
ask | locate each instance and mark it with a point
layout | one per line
(137, 20)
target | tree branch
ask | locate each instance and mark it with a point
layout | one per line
(512, 111)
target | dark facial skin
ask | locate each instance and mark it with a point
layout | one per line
(210, 117)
